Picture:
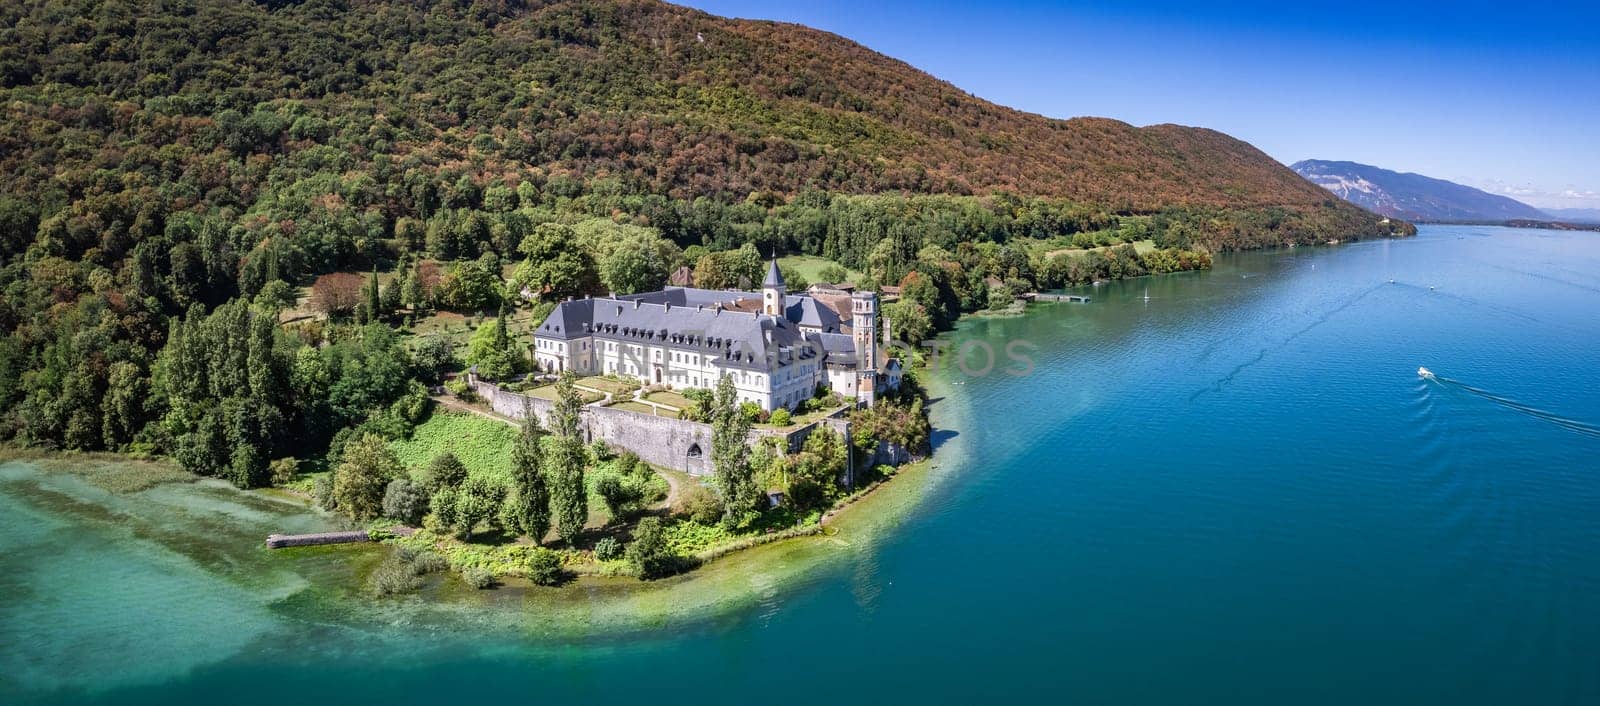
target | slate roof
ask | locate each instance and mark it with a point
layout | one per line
(774, 277)
(724, 322)
(807, 311)
(569, 320)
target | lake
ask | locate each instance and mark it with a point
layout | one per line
(1220, 487)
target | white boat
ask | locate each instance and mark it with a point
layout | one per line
(1425, 373)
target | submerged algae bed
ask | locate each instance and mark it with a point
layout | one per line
(113, 584)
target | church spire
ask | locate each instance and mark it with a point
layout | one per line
(773, 290)
(774, 277)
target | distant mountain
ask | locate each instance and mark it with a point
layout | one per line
(1575, 215)
(1412, 197)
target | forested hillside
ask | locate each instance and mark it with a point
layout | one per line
(172, 170)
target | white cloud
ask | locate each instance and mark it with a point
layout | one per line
(1569, 196)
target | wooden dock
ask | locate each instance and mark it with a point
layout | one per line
(1046, 297)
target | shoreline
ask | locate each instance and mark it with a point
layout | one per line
(588, 606)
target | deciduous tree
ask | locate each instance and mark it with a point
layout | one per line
(363, 475)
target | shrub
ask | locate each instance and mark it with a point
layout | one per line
(394, 576)
(1000, 298)
(544, 567)
(626, 461)
(444, 471)
(620, 495)
(404, 502)
(780, 417)
(640, 471)
(608, 549)
(428, 563)
(649, 553)
(806, 493)
(478, 501)
(701, 505)
(284, 471)
(434, 356)
(477, 577)
(322, 492)
(443, 510)
(461, 390)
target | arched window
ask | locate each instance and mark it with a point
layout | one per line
(694, 451)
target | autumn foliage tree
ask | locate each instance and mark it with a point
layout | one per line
(337, 294)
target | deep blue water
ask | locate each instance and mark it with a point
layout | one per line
(1237, 491)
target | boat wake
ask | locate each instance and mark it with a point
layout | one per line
(1571, 425)
(1222, 382)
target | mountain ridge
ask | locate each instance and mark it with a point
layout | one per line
(669, 100)
(1574, 215)
(1412, 196)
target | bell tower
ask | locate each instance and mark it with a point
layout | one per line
(864, 328)
(773, 290)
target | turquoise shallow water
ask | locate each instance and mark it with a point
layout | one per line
(1235, 491)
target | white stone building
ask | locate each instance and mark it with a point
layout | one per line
(777, 347)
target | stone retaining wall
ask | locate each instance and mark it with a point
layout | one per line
(667, 442)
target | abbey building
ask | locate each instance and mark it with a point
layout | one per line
(776, 346)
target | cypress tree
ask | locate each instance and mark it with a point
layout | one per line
(374, 305)
(730, 456)
(569, 501)
(528, 507)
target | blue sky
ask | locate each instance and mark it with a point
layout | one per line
(1502, 96)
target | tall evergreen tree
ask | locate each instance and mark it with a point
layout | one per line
(372, 306)
(569, 501)
(730, 456)
(528, 506)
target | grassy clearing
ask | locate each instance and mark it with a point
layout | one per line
(483, 445)
(459, 327)
(811, 266)
(1140, 246)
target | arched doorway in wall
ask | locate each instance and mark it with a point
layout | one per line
(694, 451)
(658, 376)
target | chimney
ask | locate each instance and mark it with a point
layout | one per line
(636, 303)
(666, 306)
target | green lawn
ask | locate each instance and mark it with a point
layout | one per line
(615, 387)
(548, 392)
(811, 266)
(483, 445)
(641, 408)
(671, 399)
